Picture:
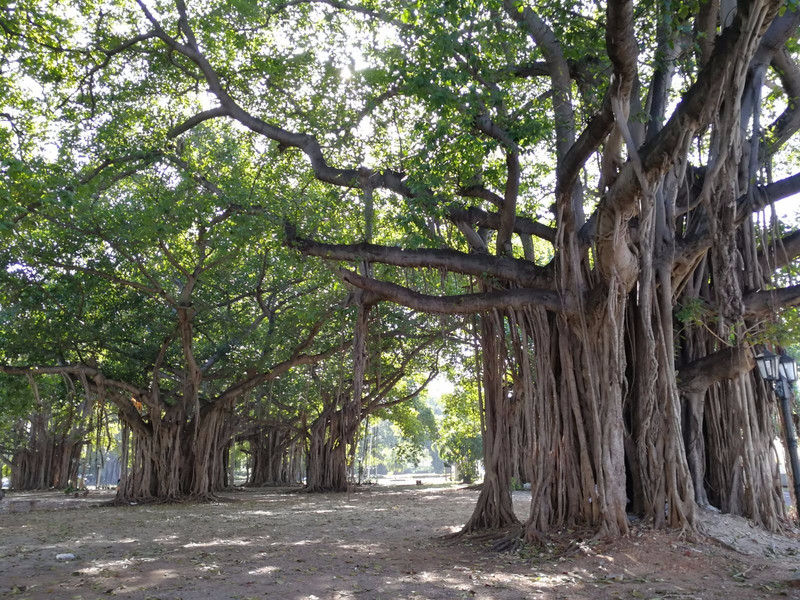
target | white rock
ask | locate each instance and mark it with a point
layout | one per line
(67, 556)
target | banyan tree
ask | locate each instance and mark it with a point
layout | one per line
(345, 403)
(588, 179)
(169, 319)
(43, 440)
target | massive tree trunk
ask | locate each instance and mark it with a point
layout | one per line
(494, 509)
(276, 456)
(742, 467)
(576, 416)
(267, 446)
(48, 452)
(46, 460)
(293, 466)
(600, 316)
(174, 457)
(330, 436)
(174, 450)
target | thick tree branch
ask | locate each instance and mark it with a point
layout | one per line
(788, 122)
(621, 40)
(73, 369)
(780, 30)
(509, 211)
(690, 249)
(276, 370)
(147, 157)
(659, 153)
(196, 120)
(767, 302)
(486, 125)
(309, 145)
(484, 193)
(591, 137)
(518, 271)
(531, 69)
(459, 304)
(557, 67)
(763, 196)
(781, 254)
(380, 15)
(703, 98)
(522, 225)
(698, 375)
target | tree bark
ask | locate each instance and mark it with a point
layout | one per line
(494, 509)
(326, 461)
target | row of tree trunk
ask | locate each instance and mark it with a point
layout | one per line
(711, 442)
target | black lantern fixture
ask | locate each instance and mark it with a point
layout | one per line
(788, 368)
(768, 365)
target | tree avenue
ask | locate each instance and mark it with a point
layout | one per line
(594, 182)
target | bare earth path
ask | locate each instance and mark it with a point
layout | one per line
(382, 543)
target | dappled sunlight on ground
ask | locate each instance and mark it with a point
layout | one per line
(381, 544)
(219, 542)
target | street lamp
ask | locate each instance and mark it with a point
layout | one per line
(768, 365)
(788, 368)
(780, 372)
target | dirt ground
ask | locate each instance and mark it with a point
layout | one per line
(380, 543)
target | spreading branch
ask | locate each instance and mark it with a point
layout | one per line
(509, 269)
(462, 303)
(73, 369)
(522, 225)
(278, 369)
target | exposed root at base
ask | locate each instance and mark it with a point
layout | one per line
(317, 490)
(496, 536)
(512, 542)
(272, 485)
(190, 499)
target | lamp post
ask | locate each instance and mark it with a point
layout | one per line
(781, 371)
